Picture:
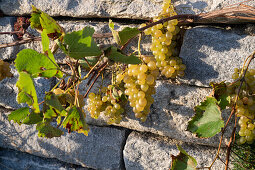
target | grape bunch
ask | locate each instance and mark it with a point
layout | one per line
(110, 104)
(245, 104)
(163, 43)
(5, 70)
(139, 83)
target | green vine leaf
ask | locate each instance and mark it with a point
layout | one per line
(80, 44)
(52, 101)
(45, 129)
(114, 33)
(23, 116)
(75, 121)
(127, 33)
(207, 121)
(27, 93)
(122, 37)
(113, 54)
(220, 93)
(183, 161)
(35, 19)
(43, 22)
(37, 64)
(45, 41)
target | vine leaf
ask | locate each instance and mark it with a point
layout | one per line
(75, 121)
(220, 93)
(207, 121)
(114, 32)
(123, 36)
(35, 18)
(23, 116)
(5, 70)
(113, 54)
(27, 93)
(43, 22)
(45, 41)
(50, 113)
(127, 33)
(81, 44)
(183, 161)
(36, 64)
(45, 129)
(52, 101)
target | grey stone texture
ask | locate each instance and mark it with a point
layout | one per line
(144, 151)
(170, 113)
(15, 160)
(137, 9)
(102, 149)
(6, 25)
(211, 54)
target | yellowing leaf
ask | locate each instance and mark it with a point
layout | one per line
(75, 121)
(183, 161)
(27, 93)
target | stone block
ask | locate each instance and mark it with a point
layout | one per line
(102, 149)
(6, 24)
(15, 160)
(211, 54)
(144, 151)
(135, 9)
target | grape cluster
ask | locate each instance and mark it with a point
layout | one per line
(139, 84)
(163, 43)
(110, 104)
(245, 105)
(4, 70)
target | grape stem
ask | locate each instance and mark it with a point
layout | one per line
(104, 65)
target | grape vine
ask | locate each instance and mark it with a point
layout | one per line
(133, 81)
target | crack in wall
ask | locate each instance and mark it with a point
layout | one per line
(122, 162)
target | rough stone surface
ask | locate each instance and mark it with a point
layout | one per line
(170, 113)
(211, 54)
(143, 151)
(15, 160)
(6, 26)
(138, 9)
(102, 149)
(9, 91)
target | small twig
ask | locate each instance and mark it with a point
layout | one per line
(95, 71)
(24, 41)
(162, 21)
(94, 80)
(12, 32)
(229, 146)
(41, 103)
(87, 62)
